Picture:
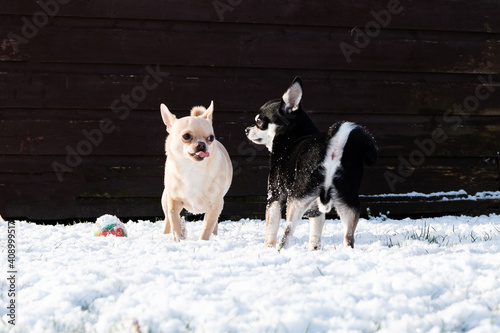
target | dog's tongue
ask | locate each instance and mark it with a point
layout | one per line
(203, 154)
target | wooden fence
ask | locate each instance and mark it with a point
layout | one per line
(81, 83)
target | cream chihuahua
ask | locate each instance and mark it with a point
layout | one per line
(198, 171)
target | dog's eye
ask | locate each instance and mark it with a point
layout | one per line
(187, 136)
(211, 138)
(259, 122)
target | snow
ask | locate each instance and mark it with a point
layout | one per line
(456, 195)
(411, 275)
(107, 220)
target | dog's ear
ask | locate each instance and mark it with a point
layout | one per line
(208, 115)
(167, 116)
(293, 96)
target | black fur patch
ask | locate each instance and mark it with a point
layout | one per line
(298, 152)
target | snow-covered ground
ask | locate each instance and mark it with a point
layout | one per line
(449, 195)
(412, 275)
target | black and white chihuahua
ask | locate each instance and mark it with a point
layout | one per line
(310, 172)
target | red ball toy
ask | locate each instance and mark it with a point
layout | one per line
(109, 225)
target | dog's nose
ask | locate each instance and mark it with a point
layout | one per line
(201, 146)
(247, 130)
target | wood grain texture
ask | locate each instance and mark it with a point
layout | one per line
(253, 46)
(446, 15)
(82, 93)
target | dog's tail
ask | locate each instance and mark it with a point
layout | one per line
(361, 139)
(337, 137)
(197, 111)
(349, 140)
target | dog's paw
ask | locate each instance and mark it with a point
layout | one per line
(315, 247)
(270, 243)
(314, 243)
(177, 238)
(349, 241)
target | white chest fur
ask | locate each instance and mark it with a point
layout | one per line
(198, 184)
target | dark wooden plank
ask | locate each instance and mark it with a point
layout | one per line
(143, 133)
(250, 46)
(428, 136)
(250, 177)
(432, 174)
(441, 15)
(376, 207)
(102, 184)
(123, 186)
(114, 177)
(87, 87)
(88, 210)
(117, 173)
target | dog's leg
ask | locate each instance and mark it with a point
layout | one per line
(215, 227)
(294, 212)
(349, 217)
(173, 211)
(273, 217)
(210, 221)
(315, 230)
(164, 205)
